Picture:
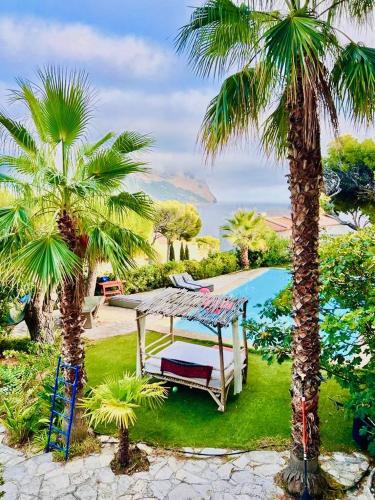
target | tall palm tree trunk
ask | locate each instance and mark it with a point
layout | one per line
(92, 276)
(72, 320)
(304, 184)
(244, 257)
(39, 319)
(123, 455)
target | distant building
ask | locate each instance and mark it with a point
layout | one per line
(282, 224)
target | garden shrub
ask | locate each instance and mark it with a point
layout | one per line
(26, 384)
(154, 276)
(278, 252)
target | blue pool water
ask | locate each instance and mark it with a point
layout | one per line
(257, 291)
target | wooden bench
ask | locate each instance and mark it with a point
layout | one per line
(111, 288)
(90, 310)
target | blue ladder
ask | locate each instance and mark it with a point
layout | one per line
(57, 400)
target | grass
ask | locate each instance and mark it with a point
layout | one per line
(259, 416)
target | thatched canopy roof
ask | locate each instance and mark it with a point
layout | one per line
(211, 310)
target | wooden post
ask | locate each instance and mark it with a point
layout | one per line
(141, 343)
(222, 369)
(245, 343)
(237, 358)
(171, 330)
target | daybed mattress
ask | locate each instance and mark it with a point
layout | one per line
(194, 353)
(124, 301)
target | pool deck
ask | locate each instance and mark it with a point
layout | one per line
(114, 321)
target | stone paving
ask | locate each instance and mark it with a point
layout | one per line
(172, 477)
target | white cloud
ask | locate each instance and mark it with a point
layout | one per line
(44, 41)
(172, 118)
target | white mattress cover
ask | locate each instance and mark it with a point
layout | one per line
(194, 353)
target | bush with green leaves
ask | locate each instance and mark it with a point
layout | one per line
(154, 276)
(26, 384)
(347, 302)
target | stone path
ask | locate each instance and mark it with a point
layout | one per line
(171, 477)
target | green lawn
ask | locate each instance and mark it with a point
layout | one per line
(259, 415)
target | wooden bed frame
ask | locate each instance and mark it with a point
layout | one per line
(240, 354)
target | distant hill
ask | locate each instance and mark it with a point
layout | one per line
(180, 187)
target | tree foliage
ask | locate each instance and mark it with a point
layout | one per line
(209, 243)
(48, 169)
(246, 229)
(264, 50)
(349, 174)
(347, 271)
(176, 221)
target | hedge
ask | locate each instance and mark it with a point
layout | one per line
(154, 276)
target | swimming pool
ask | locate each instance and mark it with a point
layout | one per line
(257, 290)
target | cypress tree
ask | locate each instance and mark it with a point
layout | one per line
(171, 252)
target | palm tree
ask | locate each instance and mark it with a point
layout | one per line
(67, 193)
(290, 65)
(115, 402)
(246, 230)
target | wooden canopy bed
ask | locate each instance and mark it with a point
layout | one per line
(211, 369)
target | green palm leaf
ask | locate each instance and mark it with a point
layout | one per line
(28, 96)
(139, 203)
(116, 400)
(20, 135)
(275, 130)
(353, 77)
(230, 113)
(90, 149)
(108, 168)
(219, 34)
(65, 104)
(45, 261)
(128, 142)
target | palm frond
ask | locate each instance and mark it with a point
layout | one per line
(109, 168)
(233, 110)
(65, 104)
(45, 261)
(219, 34)
(27, 94)
(19, 134)
(128, 142)
(275, 130)
(116, 245)
(139, 203)
(18, 185)
(23, 164)
(14, 219)
(353, 77)
(294, 40)
(356, 10)
(90, 149)
(116, 400)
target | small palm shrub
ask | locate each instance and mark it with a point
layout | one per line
(21, 418)
(116, 401)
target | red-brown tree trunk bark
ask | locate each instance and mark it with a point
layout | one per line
(304, 184)
(123, 455)
(71, 301)
(244, 257)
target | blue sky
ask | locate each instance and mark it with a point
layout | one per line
(141, 84)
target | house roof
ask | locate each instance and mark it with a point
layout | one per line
(283, 223)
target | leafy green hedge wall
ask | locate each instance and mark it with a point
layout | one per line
(156, 275)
